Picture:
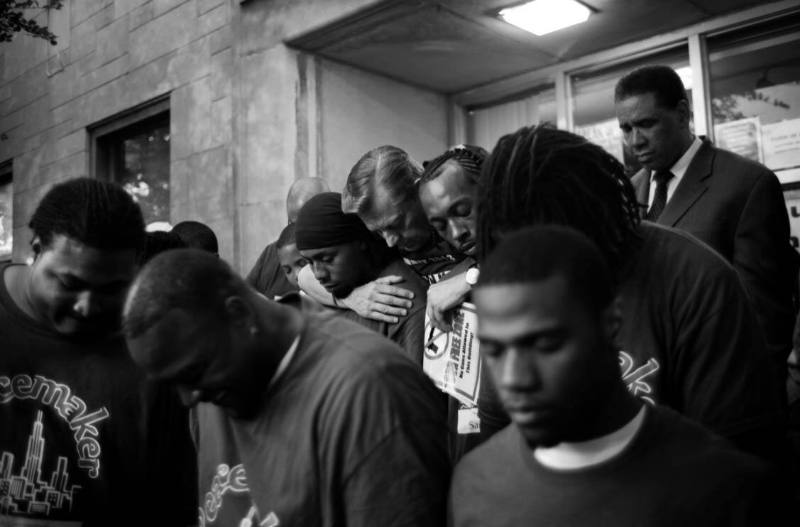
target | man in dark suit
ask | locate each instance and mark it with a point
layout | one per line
(733, 204)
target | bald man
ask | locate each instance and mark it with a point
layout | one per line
(307, 420)
(267, 276)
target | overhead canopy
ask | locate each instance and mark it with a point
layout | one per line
(454, 45)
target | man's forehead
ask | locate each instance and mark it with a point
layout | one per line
(68, 255)
(288, 250)
(525, 307)
(451, 183)
(382, 213)
(322, 251)
(640, 102)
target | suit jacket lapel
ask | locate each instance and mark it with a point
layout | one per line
(692, 186)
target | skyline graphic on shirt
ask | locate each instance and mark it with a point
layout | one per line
(26, 492)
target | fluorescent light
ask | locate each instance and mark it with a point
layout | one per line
(541, 17)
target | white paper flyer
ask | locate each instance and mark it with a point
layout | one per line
(452, 359)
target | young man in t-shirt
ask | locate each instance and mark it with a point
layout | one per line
(84, 439)
(581, 450)
(344, 255)
(317, 420)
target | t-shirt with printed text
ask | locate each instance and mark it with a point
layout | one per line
(690, 341)
(84, 438)
(673, 472)
(352, 433)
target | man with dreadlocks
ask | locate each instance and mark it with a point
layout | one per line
(447, 195)
(343, 255)
(689, 339)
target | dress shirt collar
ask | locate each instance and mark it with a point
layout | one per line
(678, 170)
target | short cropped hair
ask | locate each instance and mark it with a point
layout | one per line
(540, 175)
(662, 81)
(537, 253)
(197, 235)
(288, 236)
(157, 242)
(192, 280)
(470, 158)
(97, 213)
(386, 165)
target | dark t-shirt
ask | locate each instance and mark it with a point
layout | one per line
(84, 439)
(352, 433)
(408, 332)
(690, 341)
(267, 277)
(433, 263)
(674, 472)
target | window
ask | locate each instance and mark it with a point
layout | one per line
(487, 124)
(755, 95)
(134, 151)
(6, 212)
(593, 113)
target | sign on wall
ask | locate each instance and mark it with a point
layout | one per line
(792, 197)
(742, 137)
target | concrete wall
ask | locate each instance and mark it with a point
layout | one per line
(360, 111)
(299, 115)
(248, 115)
(113, 55)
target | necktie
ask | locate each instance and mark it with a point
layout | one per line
(661, 178)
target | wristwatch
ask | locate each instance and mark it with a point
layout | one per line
(471, 276)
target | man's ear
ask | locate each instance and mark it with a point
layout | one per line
(36, 245)
(239, 311)
(612, 319)
(684, 112)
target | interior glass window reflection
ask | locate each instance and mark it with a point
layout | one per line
(755, 95)
(487, 124)
(138, 158)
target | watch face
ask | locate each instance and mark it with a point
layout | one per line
(472, 275)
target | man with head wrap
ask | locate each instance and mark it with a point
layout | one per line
(343, 254)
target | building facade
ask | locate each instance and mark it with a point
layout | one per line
(208, 110)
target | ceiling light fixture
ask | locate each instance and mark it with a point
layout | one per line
(541, 17)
